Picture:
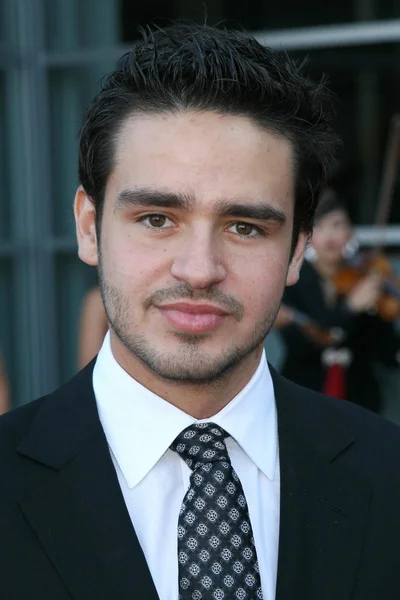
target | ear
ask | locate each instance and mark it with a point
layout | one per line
(297, 260)
(85, 220)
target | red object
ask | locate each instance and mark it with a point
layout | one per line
(335, 381)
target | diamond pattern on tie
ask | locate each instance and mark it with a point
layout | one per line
(216, 553)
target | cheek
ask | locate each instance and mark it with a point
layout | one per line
(261, 285)
(130, 262)
(343, 238)
(121, 267)
(317, 241)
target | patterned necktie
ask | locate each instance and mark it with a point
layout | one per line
(216, 552)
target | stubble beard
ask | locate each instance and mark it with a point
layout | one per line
(189, 363)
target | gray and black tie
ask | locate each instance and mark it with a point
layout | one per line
(216, 553)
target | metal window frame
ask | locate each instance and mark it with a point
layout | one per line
(369, 236)
(332, 36)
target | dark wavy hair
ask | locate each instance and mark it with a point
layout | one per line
(195, 67)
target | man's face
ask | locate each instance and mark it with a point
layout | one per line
(195, 241)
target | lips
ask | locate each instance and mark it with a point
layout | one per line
(194, 318)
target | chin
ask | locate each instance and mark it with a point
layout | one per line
(333, 257)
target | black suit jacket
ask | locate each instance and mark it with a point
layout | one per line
(65, 532)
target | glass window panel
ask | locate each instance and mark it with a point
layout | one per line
(7, 333)
(5, 20)
(286, 13)
(2, 21)
(73, 25)
(70, 91)
(161, 12)
(73, 280)
(365, 80)
(4, 187)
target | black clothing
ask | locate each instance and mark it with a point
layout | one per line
(65, 532)
(369, 338)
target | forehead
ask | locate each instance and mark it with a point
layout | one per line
(334, 217)
(205, 154)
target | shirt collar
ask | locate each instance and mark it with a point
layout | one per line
(140, 426)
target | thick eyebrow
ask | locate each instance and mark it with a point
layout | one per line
(147, 197)
(258, 211)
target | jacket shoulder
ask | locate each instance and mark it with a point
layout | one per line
(15, 423)
(47, 417)
(376, 439)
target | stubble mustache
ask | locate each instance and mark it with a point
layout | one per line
(211, 294)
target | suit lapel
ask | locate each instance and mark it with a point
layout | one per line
(78, 512)
(324, 503)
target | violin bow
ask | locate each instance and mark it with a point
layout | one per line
(390, 168)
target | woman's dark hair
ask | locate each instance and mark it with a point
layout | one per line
(194, 67)
(329, 201)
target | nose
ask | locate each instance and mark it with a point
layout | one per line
(198, 262)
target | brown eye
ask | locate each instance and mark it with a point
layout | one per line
(244, 228)
(157, 221)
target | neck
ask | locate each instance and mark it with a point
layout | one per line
(200, 400)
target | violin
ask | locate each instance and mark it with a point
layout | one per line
(388, 304)
(321, 336)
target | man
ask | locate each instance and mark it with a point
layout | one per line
(177, 464)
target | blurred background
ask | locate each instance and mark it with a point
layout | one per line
(53, 54)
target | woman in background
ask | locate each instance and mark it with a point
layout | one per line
(365, 338)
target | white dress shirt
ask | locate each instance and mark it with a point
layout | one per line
(140, 426)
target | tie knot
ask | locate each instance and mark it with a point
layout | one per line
(201, 444)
